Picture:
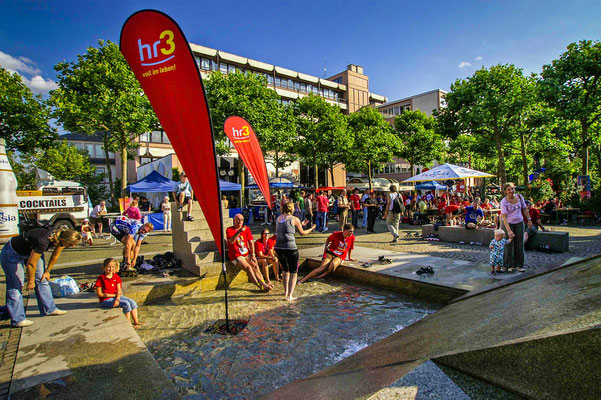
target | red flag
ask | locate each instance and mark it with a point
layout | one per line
(241, 134)
(159, 55)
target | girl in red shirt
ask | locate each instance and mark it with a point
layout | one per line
(108, 289)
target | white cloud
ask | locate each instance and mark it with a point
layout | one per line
(478, 58)
(464, 64)
(39, 84)
(28, 71)
(19, 64)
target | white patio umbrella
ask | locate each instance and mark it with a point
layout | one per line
(447, 171)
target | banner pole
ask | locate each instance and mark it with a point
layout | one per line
(227, 315)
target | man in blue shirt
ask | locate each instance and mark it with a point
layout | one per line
(131, 233)
(474, 215)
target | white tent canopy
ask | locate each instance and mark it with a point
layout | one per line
(447, 171)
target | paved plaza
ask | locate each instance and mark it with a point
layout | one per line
(83, 263)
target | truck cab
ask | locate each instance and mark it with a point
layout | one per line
(62, 203)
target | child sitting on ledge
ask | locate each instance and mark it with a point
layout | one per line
(108, 288)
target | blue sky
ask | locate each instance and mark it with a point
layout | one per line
(405, 47)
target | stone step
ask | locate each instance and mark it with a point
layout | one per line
(199, 235)
(203, 257)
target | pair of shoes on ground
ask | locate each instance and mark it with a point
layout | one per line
(190, 218)
(425, 270)
(384, 260)
(499, 270)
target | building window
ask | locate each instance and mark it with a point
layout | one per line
(197, 61)
(297, 85)
(80, 146)
(214, 65)
(303, 87)
(156, 137)
(99, 170)
(145, 137)
(98, 151)
(278, 81)
(223, 68)
(396, 110)
(338, 80)
(111, 155)
(90, 149)
(205, 64)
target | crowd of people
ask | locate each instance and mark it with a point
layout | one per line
(514, 220)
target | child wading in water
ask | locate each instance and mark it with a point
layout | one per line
(497, 246)
(108, 288)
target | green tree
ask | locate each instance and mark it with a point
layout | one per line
(373, 141)
(99, 93)
(420, 143)
(572, 86)
(321, 130)
(64, 162)
(24, 116)
(487, 105)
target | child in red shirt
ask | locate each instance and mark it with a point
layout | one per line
(108, 289)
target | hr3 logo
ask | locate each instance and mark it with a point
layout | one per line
(165, 44)
(242, 133)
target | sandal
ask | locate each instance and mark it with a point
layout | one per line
(384, 260)
(366, 265)
(501, 270)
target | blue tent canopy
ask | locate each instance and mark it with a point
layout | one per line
(229, 186)
(155, 182)
(430, 185)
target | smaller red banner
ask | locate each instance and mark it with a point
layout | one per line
(242, 136)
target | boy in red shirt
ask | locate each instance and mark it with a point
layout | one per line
(108, 289)
(264, 250)
(241, 251)
(338, 245)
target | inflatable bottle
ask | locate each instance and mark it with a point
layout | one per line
(9, 215)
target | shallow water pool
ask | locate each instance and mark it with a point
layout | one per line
(283, 341)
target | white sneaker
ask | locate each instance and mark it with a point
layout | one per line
(23, 323)
(57, 312)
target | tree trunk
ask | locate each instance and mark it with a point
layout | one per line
(411, 169)
(108, 168)
(124, 171)
(584, 169)
(316, 173)
(332, 175)
(277, 164)
(369, 174)
(501, 155)
(524, 160)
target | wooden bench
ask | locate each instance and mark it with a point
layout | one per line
(585, 219)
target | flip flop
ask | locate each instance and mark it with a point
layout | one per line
(366, 265)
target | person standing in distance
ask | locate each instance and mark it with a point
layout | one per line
(96, 218)
(392, 212)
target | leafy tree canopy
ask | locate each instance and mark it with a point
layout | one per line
(373, 141)
(24, 116)
(321, 132)
(99, 92)
(420, 144)
(572, 86)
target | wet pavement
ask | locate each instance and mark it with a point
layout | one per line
(283, 341)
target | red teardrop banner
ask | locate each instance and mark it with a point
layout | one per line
(242, 136)
(160, 57)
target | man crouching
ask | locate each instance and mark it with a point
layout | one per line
(240, 250)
